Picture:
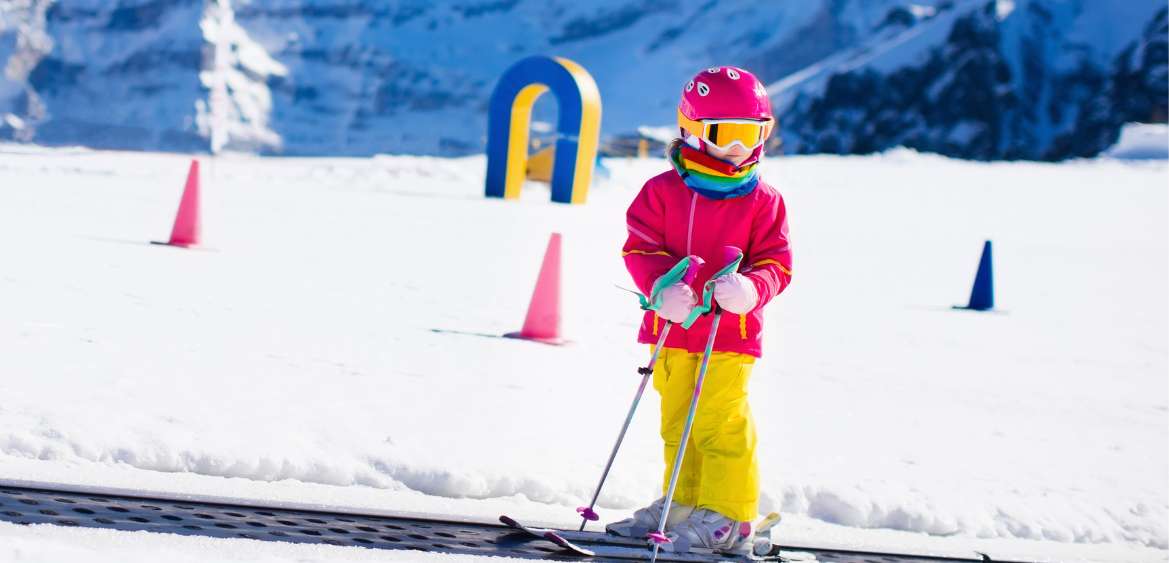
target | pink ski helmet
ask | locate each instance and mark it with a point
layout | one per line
(726, 105)
(725, 92)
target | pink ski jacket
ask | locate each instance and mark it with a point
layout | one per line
(668, 221)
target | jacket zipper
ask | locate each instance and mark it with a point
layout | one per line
(689, 250)
(690, 225)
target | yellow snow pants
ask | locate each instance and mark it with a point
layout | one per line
(720, 471)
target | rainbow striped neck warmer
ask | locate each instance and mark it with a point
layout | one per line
(711, 177)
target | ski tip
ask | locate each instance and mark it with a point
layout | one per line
(507, 520)
(556, 539)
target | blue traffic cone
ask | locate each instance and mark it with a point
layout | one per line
(982, 296)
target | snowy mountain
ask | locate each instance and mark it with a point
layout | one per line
(169, 74)
(360, 76)
(1030, 79)
(368, 76)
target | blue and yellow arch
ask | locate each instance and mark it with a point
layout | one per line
(578, 127)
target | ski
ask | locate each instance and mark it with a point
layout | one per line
(600, 544)
(644, 553)
(544, 533)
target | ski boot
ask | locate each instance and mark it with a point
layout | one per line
(711, 532)
(645, 520)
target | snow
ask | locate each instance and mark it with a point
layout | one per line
(295, 357)
(1003, 8)
(235, 114)
(1142, 141)
(51, 544)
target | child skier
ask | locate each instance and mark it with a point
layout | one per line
(712, 198)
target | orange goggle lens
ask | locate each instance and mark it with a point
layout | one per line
(723, 133)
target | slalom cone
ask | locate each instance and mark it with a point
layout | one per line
(186, 230)
(982, 295)
(542, 323)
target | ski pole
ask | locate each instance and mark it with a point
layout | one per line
(659, 537)
(587, 513)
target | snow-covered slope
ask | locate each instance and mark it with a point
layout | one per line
(1027, 79)
(297, 357)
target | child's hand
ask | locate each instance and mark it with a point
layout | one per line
(735, 293)
(677, 302)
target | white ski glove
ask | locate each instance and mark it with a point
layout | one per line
(736, 293)
(677, 302)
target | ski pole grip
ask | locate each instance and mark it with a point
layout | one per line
(732, 255)
(691, 274)
(686, 270)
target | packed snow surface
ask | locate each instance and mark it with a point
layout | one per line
(1142, 141)
(51, 544)
(332, 343)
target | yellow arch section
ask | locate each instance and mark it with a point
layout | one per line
(590, 129)
(578, 127)
(517, 147)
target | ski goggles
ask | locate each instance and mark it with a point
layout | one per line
(724, 133)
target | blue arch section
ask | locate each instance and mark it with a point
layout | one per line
(509, 116)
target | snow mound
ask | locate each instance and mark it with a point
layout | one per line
(1142, 141)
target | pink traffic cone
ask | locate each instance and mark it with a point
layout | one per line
(186, 229)
(543, 321)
